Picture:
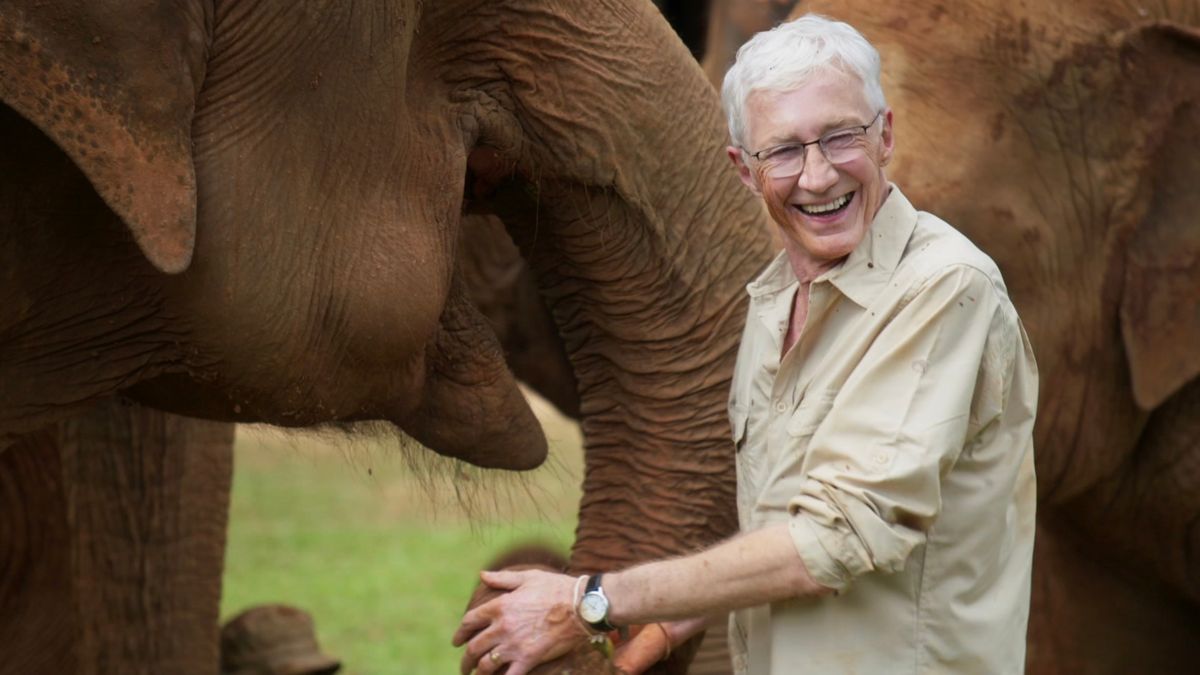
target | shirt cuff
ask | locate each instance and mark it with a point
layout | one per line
(822, 553)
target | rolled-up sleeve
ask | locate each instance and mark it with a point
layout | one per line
(874, 465)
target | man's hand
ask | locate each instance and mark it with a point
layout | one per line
(654, 642)
(533, 623)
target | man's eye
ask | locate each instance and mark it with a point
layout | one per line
(784, 153)
(841, 140)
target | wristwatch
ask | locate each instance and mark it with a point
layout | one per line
(593, 606)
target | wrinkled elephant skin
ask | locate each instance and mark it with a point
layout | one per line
(252, 212)
(1064, 139)
(112, 541)
(330, 188)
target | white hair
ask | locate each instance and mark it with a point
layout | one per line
(785, 57)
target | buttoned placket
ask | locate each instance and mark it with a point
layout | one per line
(786, 386)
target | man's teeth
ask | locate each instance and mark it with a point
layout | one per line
(815, 209)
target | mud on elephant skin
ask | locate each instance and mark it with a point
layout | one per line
(250, 212)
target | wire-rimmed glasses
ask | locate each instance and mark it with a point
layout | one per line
(838, 146)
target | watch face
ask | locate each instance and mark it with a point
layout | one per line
(593, 608)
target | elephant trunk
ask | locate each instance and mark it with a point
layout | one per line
(641, 239)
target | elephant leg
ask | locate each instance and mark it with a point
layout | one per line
(36, 626)
(135, 505)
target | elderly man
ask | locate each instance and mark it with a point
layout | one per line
(882, 409)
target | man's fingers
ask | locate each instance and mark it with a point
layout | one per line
(485, 666)
(472, 622)
(517, 668)
(517, 664)
(502, 580)
(477, 649)
(481, 644)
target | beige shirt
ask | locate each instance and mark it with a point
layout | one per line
(895, 439)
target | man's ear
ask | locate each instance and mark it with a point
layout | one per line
(744, 172)
(887, 139)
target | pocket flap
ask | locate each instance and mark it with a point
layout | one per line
(810, 414)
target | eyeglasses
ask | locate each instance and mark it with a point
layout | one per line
(839, 147)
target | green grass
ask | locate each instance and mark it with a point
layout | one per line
(383, 551)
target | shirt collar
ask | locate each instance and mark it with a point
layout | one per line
(868, 267)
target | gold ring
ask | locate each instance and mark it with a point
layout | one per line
(494, 655)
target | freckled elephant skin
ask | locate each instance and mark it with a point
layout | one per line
(316, 278)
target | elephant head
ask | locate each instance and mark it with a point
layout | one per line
(327, 189)
(294, 179)
(251, 212)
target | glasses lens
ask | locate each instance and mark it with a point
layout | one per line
(789, 162)
(843, 146)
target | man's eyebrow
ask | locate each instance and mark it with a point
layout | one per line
(842, 123)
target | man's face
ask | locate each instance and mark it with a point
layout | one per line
(802, 206)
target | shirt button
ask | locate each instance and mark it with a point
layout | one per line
(780, 407)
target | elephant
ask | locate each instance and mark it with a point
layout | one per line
(731, 23)
(251, 212)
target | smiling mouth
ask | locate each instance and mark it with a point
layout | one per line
(828, 208)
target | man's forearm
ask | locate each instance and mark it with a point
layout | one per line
(747, 570)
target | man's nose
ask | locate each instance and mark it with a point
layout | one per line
(819, 173)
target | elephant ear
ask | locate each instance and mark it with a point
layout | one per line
(113, 84)
(1160, 307)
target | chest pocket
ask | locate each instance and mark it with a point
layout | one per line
(810, 414)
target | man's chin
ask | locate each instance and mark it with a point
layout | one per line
(837, 243)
